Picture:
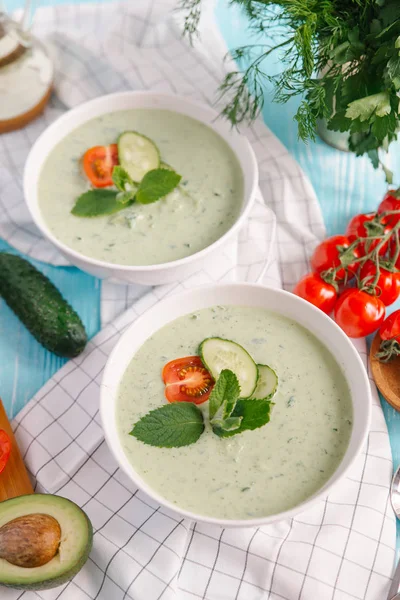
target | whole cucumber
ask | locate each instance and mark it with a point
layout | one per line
(41, 307)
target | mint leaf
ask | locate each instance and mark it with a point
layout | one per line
(156, 184)
(170, 426)
(254, 413)
(95, 203)
(224, 395)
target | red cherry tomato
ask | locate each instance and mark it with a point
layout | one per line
(388, 285)
(98, 164)
(316, 291)
(391, 201)
(357, 229)
(327, 256)
(359, 313)
(187, 380)
(5, 449)
(390, 328)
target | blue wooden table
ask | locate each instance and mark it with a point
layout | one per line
(345, 185)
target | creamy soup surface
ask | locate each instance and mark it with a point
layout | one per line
(204, 206)
(255, 473)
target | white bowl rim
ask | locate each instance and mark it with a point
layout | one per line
(138, 268)
(309, 502)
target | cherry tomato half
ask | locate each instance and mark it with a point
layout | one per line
(391, 201)
(356, 229)
(316, 291)
(5, 449)
(187, 380)
(359, 313)
(327, 256)
(98, 164)
(388, 285)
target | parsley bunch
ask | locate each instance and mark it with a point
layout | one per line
(341, 56)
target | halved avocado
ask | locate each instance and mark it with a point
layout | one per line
(73, 551)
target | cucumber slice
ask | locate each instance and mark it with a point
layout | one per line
(267, 383)
(218, 354)
(137, 154)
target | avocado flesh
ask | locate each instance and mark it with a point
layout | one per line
(75, 545)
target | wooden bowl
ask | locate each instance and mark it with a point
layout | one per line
(386, 375)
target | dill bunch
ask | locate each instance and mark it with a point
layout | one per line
(341, 56)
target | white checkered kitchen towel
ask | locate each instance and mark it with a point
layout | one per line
(343, 548)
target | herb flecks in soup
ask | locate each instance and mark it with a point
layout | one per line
(259, 472)
(204, 205)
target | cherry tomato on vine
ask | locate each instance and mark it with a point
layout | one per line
(316, 291)
(98, 164)
(391, 201)
(187, 380)
(390, 328)
(327, 256)
(359, 313)
(357, 229)
(5, 449)
(387, 286)
(393, 249)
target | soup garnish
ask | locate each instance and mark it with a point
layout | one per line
(236, 403)
(133, 167)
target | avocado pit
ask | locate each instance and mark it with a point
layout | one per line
(30, 541)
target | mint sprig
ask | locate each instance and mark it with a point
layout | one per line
(229, 415)
(170, 426)
(156, 184)
(96, 203)
(252, 414)
(224, 395)
(124, 183)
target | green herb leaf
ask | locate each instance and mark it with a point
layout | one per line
(229, 424)
(363, 109)
(96, 203)
(224, 395)
(156, 184)
(124, 183)
(253, 413)
(170, 426)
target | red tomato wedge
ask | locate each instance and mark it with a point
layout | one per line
(5, 449)
(187, 380)
(98, 164)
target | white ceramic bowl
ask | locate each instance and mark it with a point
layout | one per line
(149, 274)
(279, 301)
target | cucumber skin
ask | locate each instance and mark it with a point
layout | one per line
(41, 307)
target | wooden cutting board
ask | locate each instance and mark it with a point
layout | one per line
(14, 480)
